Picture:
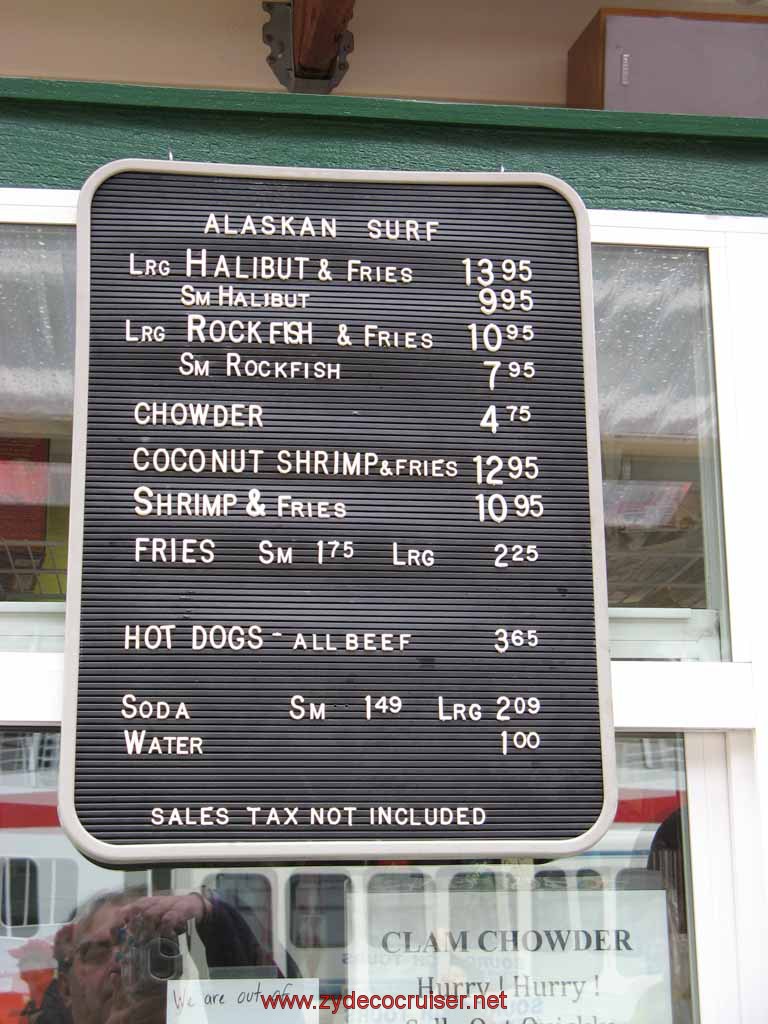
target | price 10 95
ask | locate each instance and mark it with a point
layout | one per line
(497, 509)
(492, 336)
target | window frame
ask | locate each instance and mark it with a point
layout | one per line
(718, 706)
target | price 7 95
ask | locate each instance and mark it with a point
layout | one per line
(513, 370)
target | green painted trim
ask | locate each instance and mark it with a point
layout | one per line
(53, 135)
(361, 108)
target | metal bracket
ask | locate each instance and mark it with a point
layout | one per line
(278, 35)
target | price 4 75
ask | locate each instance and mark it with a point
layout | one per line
(517, 414)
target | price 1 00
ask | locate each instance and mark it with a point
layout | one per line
(520, 740)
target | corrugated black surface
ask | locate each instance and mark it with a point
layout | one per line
(399, 404)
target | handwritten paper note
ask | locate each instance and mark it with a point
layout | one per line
(237, 1001)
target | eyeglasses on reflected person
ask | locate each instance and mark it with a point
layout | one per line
(97, 952)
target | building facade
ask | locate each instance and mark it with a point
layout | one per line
(679, 222)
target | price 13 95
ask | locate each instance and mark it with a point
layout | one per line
(485, 271)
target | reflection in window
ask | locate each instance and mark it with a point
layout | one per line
(498, 882)
(550, 880)
(475, 881)
(636, 878)
(251, 895)
(37, 326)
(19, 893)
(386, 889)
(382, 928)
(34, 495)
(658, 428)
(318, 910)
(37, 892)
(37, 341)
(588, 879)
(657, 418)
(31, 754)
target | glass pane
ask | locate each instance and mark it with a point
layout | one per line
(660, 457)
(318, 910)
(607, 935)
(251, 895)
(19, 901)
(34, 523)
(37, 326)
(666, 579)
(37, 336)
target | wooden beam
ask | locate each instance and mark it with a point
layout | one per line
(317, 28)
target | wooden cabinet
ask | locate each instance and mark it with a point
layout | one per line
(671, 62)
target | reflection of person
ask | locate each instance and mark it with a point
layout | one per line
(36, 970)
(666, 857)
(117, 941)
(53, 1009)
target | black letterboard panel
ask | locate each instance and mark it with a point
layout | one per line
(333, 581)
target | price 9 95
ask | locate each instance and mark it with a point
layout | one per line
(505, 299)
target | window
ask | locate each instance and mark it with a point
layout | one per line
(385, 887)
(37, 293)
(36, 892)
(318, 910)
(251, 895)
(658, 424)
(19, 894)
(637, 879)
(721, 868)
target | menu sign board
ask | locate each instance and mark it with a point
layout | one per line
(336, 566)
